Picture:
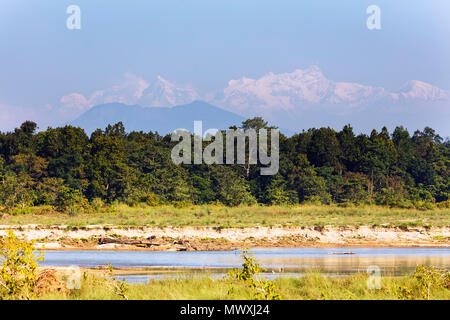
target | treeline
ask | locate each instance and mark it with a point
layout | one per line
(70, 171)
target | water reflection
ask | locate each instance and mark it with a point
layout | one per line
(279, 261)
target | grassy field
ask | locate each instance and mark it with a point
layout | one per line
(225, 217)
(312, 286)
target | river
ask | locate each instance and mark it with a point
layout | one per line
(279, 261)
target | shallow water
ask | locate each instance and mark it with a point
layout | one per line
(279, 261)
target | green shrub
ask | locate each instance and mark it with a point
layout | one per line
(278, 194)
(18, 271)
(71, 201)
(443, 204)
(43, 210)
(424, 205)
(389, 197)
(427, 278)
(261, 288)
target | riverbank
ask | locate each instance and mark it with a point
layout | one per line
(312, 286)
(95, 237)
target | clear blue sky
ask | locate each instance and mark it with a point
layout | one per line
(205, 43)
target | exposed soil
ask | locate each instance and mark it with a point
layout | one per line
(208, 238)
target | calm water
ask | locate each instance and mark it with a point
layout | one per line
(280, 261)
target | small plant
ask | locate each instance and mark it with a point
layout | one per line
(429, 277)
(426, 279)
(18, 271)
(119, 288)
(97, 204)
(261, 288)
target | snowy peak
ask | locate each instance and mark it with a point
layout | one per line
(284, 90)
(310, 86)
(415, 89)
(162, 93)
(355, 93)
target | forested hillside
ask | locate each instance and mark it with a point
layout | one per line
(69, 171)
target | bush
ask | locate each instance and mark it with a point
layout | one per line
(97, 204)
(318, 199)
(42, 210)
(18, 271)
(424, 205)
(71, 201)
(262, 289)
(420, 195)
(181, 204)
(278, 194)
(16, 190)
(389, 197)
(355, 188)
(149, 198)
(443, 204)
(152, 199)
(427, 278)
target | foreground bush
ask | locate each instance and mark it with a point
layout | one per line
(248, 275)
(18, 271)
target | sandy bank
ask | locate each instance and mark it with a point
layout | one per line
(208, 238)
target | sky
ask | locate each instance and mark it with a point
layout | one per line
(203, 44)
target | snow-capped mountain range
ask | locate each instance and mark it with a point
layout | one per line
(296, 100)
(287, 91)
(298, 90)
(284, 91)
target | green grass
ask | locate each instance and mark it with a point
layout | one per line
(312, 286)
(225, 217)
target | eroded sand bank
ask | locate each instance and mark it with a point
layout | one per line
(209, 238)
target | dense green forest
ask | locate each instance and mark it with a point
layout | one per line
(66, 169)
